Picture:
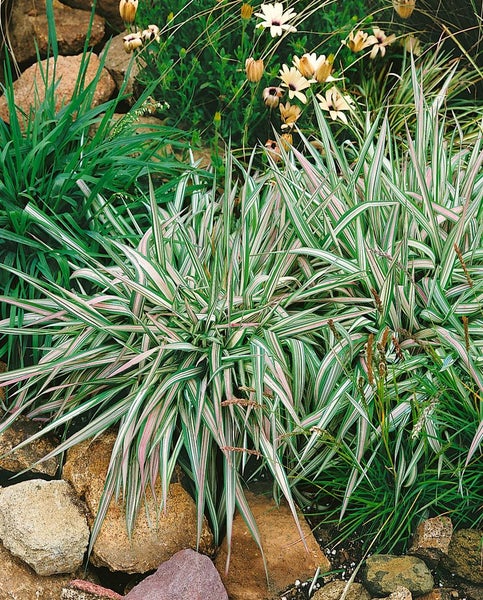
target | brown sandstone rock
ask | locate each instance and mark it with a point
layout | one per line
(19, 582)
(400, 593)
(156, 535)
(28, 26)
(109, 9)
(431, 539)
(287, 559)
(25, 457)
(440, 594)
(29, 89)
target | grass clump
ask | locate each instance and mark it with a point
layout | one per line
(72, 172)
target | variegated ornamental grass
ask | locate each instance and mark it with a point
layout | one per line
(323, 318)
(193, 344)
(402, 412)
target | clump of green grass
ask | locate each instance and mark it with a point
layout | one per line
(45, 154)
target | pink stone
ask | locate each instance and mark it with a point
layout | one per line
(188, 575)
(80, 589)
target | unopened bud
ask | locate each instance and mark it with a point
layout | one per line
(246, 11)
(404, 8)
(325, 69)
(286, 141)
(254, 69)
(127, 10)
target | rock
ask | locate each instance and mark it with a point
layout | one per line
(156, 536)
(29, 89)
(286, 556)
(188, 575)
(431, 539)
(25, 457)
(109, 9)
(383, 573)
(334, 589)
(440, 594)
(400, 593)
(28, 26)
(42, 523)
(18, 581)
(80, 4)
(80, 589)
(465, 555)
(120, 64)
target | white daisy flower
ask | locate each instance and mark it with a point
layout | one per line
(275, 18)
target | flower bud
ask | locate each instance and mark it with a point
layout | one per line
(305, 66)
(324, 70)
(254, 69)
(404, 8)
(127, 10)
(411, 44)
(286, 141)
(246, 11)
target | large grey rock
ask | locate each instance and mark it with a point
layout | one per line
(28, 26)
(122, 66)
(25, 457)
(286, 557)
(465, 555)
(188, 575)
(42, 523)
(156, 535)
(384, 573)
(29, 89)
